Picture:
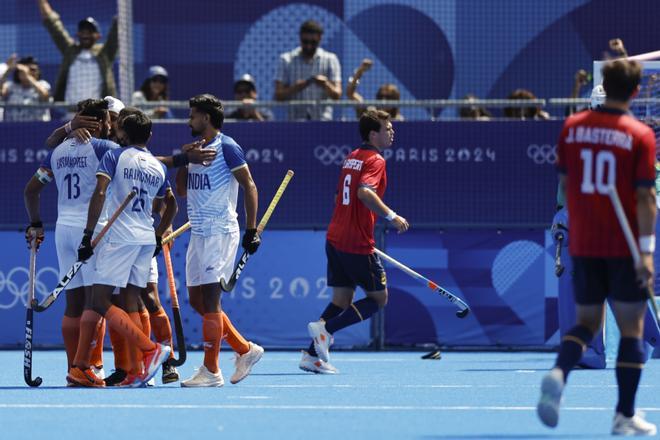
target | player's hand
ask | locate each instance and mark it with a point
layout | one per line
(85, 250)
(191, 146)
(34, 231)
(159, 245)
(645, 271)
(87, 122)
(400, 223)
(251, 241)
(201, 155)
(81, 135)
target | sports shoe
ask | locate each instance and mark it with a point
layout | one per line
(315, 365)
(152, 361)
(115, 378)
(169, 373)
(551, 389)
(245, 362)
(84, 378)
(204, 378)
(131, 381)
(635, 425)
(322, 339)
(98, 371)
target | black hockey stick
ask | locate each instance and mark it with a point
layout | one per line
(29, 322)
(559, 268)
(176, 313)
(229, 286)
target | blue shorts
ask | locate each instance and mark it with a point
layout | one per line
(595, 279)
(350, 270)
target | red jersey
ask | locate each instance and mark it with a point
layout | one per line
(352, 226)
(597, 149)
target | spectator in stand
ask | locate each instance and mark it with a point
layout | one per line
(387, 92)
(308, 72)
(474, 112)
(154, 88)
(86, 70)
(245, 90)
(524, 112)
(581, 79)
(3, 77)
(26, 87)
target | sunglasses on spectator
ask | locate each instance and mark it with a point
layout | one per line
(307, 42)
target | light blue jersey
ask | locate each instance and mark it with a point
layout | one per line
(213, 190)
(73, 166)
(133, 168)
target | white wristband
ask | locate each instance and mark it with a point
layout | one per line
(68, 128)
(647, 244)
(390, 216)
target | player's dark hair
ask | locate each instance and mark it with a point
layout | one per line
(127, 111)
(137, 127)
(311, 27)
(96, 108)
(372, 120)
(621, 78)
(210, 105)
(84, 103)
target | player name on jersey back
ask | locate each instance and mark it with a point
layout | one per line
(71, 162)
(138, 175)
(599, 135)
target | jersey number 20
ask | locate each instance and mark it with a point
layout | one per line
(605, 171)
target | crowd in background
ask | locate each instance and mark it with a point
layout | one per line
(307, 72)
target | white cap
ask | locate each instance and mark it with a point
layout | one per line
(114, 105)
(598, 96)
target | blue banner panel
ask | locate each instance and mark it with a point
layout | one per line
(282, 289)
(439, 173)
(506, 277)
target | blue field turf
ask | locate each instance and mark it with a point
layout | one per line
(376, 395)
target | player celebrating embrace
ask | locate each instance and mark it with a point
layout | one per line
(598, 149)
(212, 193)
(124, 255)
(350, 240)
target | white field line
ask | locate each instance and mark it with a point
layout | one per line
(302, 407)
(388, 386)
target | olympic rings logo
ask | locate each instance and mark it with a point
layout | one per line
(15, 284)
(542, 154)
(331, 154)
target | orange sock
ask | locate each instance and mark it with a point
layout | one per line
(88, 323)
(70, 335)
(120, 349)
(120, 321)
(135, 355)
(212, 331)
(96, 358)
(235, 340)
(160, 323)
(146, 324)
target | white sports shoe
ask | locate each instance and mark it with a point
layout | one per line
(99, 372)
(204, 378)
(315, 365)
(551, 389)
(322, 339)
(245, 362)
(635, 425)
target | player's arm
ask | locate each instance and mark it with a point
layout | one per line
(251, 195)
(31, 196)
(371, 200)
(168, 213)
(79, 127)
(181, 180)
(646, 207)
(97, 201)
(190, 153)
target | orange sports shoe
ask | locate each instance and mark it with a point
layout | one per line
(84, 378)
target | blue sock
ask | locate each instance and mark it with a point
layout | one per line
(629, 364)
(358, 311)
(330, 312)
(572, 346)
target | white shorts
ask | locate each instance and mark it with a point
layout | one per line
(67, 240)
(153, 271)
(119, 264)
(210, 258)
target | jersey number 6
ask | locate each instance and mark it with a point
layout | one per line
(346, 192)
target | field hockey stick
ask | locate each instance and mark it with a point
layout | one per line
(176, 313)
(227, 287)
(464, 308)
(29, 322)
(176, 233)
(50, 299)
(559, 268)
(630, 239)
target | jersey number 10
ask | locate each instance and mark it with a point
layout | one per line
(605, 171)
